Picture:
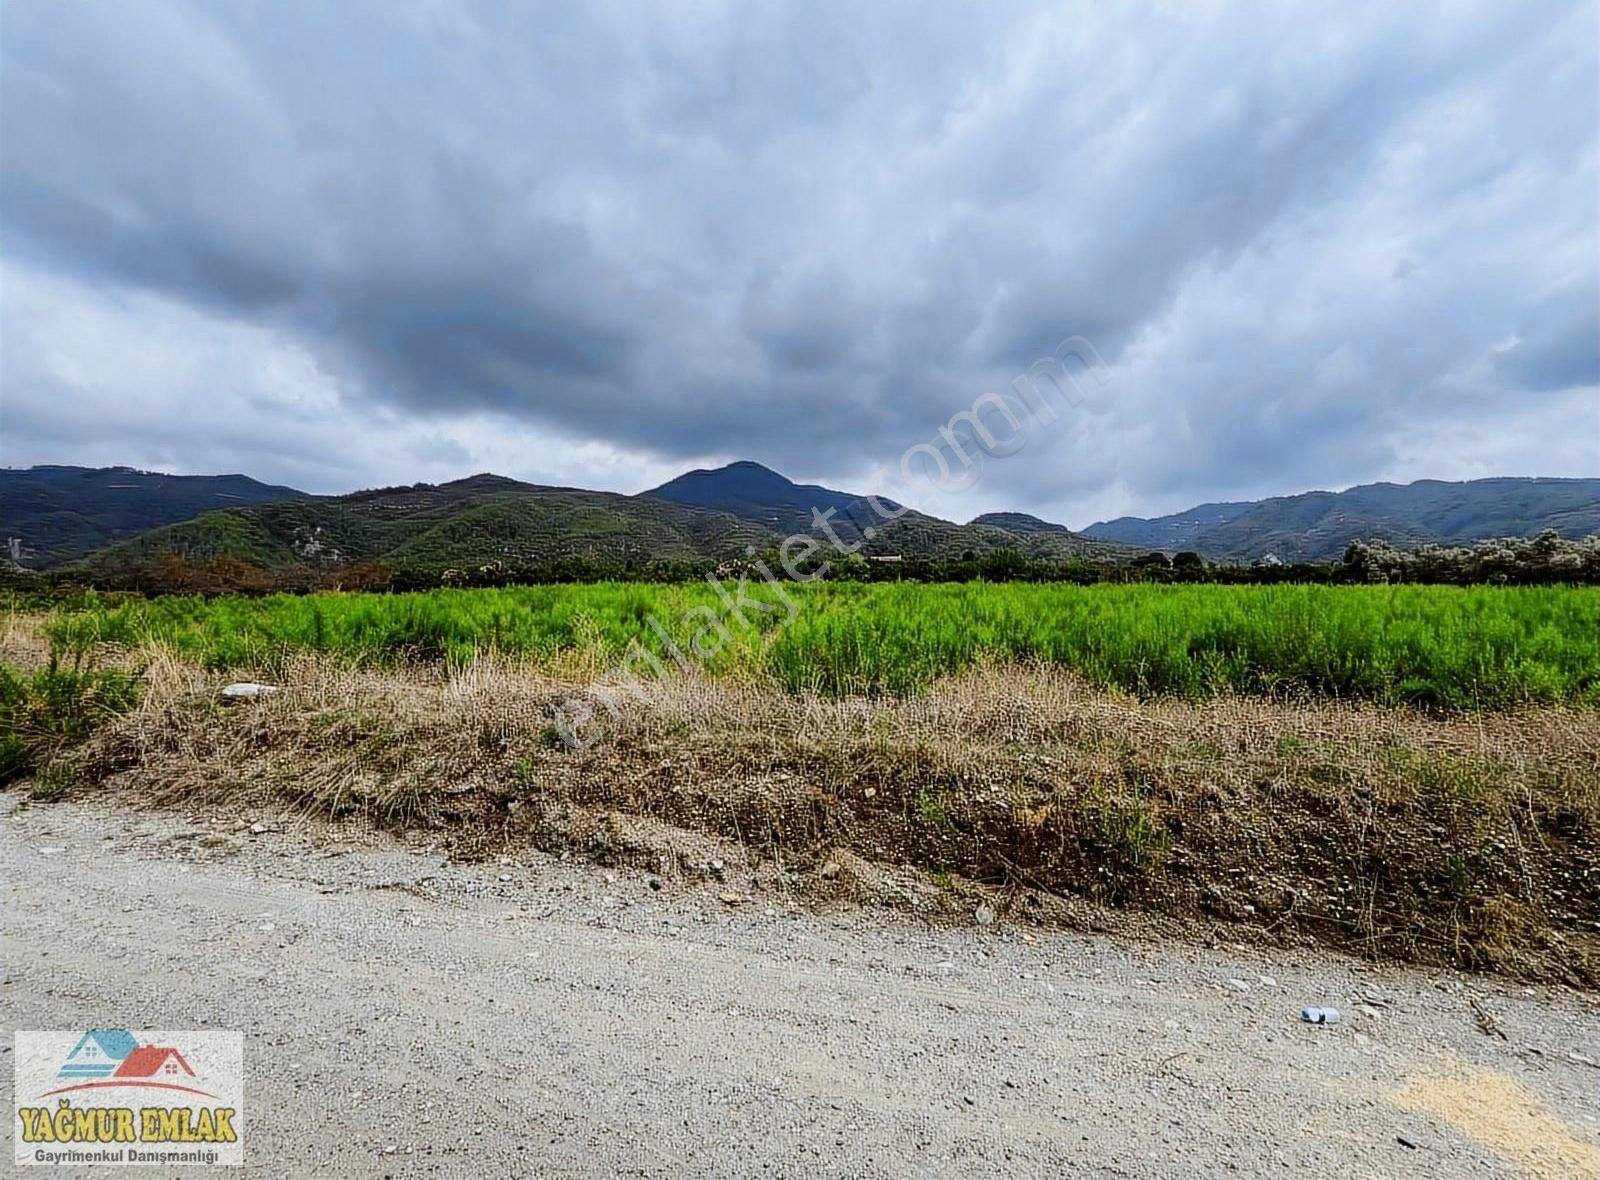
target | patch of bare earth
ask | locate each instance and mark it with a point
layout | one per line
(1472, 840)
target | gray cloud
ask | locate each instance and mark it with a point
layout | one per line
(1558, 347)
(375, 243)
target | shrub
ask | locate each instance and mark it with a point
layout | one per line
(43, 711)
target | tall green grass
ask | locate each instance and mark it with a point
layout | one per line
(1459, 648)
(48, 708)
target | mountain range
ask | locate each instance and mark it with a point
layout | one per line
(1318, 526)
(427, 529)
(106, 520)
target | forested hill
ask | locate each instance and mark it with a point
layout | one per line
(50, 515)
(1319, 526)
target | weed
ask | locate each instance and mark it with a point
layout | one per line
(47, 709)
(1458, 871)
(55, 782)
(1129, 828)
(1455, 779)
(932, 810)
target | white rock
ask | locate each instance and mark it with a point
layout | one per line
(246, 690)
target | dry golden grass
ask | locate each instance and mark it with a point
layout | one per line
(23, 643)
(1471, 839)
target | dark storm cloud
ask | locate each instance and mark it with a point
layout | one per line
(809, 234)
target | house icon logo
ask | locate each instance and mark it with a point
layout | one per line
(121, 1096)
(104, 1058)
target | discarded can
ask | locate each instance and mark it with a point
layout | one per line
(1320, 1015)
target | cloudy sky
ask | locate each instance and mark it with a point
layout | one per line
(340, 245)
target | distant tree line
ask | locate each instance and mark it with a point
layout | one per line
(1547, 559)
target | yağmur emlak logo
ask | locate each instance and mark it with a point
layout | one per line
(111, 1096)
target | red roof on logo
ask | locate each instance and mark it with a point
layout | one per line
(144, 1061)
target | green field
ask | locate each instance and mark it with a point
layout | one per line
(1460, 648)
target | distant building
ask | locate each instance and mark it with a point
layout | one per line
(886, 557)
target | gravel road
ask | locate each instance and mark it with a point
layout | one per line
(408, 1017)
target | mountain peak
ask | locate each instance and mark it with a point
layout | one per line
(755, 492)
(739, 469)
(746, 465)
(485, 481)
(1024, 524)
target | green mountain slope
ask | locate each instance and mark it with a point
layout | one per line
(426, 530)
(1319, 526)
(50, 515)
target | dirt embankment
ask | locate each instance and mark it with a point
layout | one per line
(1467, 840)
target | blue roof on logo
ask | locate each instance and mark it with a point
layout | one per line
(115, 1043)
